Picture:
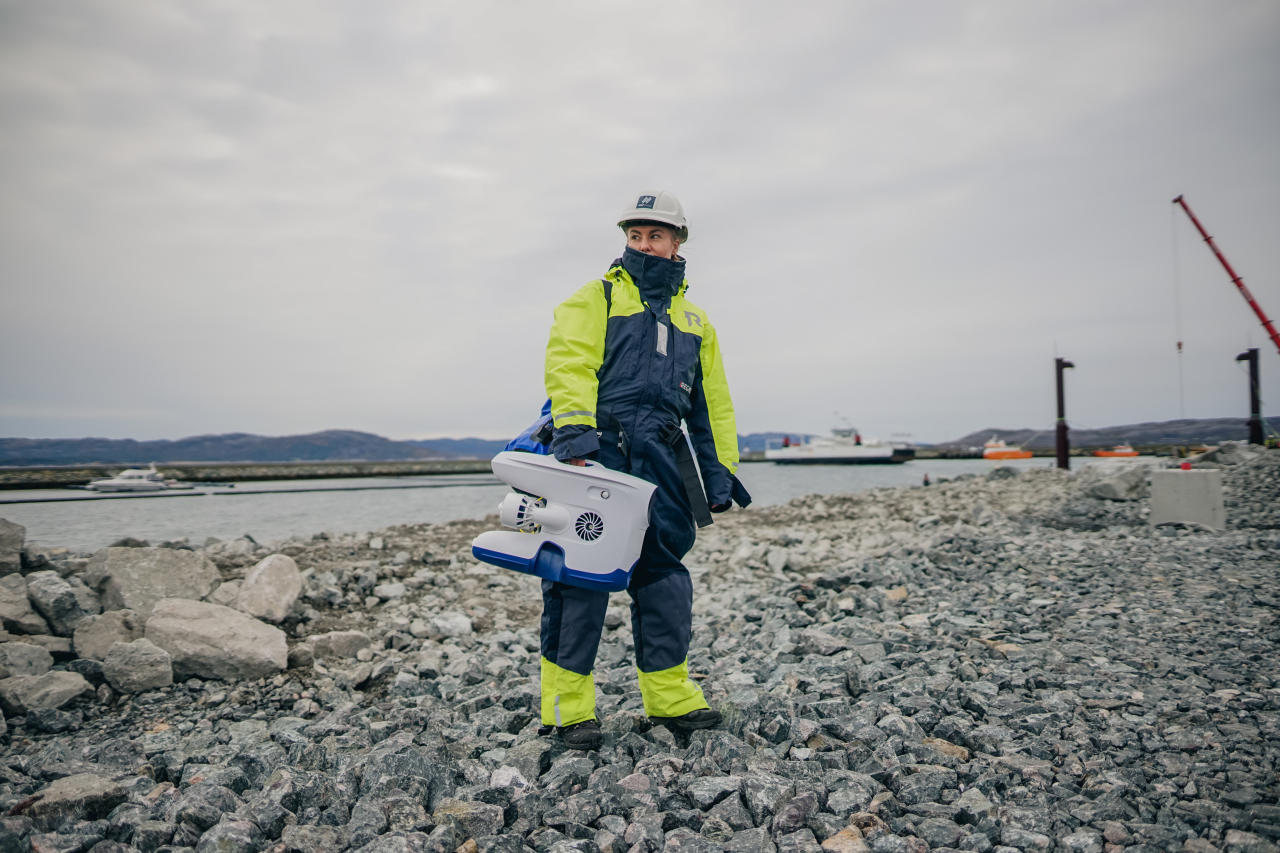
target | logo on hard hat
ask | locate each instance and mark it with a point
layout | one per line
(647, 201)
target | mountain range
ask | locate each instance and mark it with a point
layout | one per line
(332, 445)
(1180, 432)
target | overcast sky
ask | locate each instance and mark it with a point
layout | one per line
(285, 217)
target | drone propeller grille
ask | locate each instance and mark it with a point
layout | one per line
(589, 526)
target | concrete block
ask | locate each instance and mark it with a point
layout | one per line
(1189, 497)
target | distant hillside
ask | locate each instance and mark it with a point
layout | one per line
(330, 445)
(1180, 432)
(349, 445)
(461, 448)
(229, 447)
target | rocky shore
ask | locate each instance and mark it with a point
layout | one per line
(1016, 662)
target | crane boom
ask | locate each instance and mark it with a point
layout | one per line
(1235, 279)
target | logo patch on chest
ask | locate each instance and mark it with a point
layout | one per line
(686, 387)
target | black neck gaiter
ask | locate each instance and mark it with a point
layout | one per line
(658, 279)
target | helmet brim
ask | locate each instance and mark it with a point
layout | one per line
(681, 231)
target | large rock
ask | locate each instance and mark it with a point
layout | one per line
(23, 659)
(22, 693)
(212, 641)
(136, 578)
(270, 588)
(12, 538)
(15, 607)
(82, 796)
(137, 667)
(95, 635)
(60, 602)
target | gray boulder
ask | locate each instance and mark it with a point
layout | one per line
(95, 635)
(22, 693)
(212, 641)
(81, 796)
(59, 601)
(12, 538)
(226, 594)
(270, 588)
(136, 578)
(451, 623)
(15, 607)
(23, 659)
(1232, 453)
(137, 667)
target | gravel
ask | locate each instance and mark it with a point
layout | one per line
(994, 663)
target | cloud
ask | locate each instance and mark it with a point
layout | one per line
(288, 217)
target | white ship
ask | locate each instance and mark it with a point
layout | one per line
(136, 480)
(845, 446)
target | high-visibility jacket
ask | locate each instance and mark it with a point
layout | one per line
(658, 364)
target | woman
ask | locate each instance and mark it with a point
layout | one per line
(629, 358)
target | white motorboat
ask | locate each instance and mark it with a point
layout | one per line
(135, 480)
(845, 446)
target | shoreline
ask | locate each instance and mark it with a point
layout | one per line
(52, 476)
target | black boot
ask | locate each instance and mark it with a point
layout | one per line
(703, 718)
(583, 735)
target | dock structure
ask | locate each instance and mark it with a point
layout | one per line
(53, 476)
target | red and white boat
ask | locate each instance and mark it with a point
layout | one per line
(1118, 450)
(995, 448)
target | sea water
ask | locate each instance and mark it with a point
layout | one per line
(275, 511)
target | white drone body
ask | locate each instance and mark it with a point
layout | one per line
(579, 525)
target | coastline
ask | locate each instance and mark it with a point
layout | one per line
(1006, 660)
(52, 476)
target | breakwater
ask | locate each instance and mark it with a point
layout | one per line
(78, 475)
(52, 476)
(999, 662)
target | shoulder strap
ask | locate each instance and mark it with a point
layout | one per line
(608, 296)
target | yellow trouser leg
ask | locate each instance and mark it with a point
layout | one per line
(669, 692)
(567, 697)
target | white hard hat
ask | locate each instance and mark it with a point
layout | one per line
(660, 206)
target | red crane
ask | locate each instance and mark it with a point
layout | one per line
(1235, 279)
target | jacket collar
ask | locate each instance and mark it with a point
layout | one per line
(657, 279)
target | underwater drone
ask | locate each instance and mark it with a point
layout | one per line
(579, 525)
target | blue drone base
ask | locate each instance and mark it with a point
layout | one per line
(548, 564)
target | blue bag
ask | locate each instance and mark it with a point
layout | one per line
(536, 438)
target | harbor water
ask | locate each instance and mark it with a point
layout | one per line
(275, 511)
